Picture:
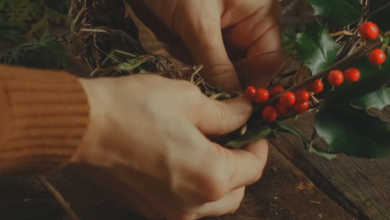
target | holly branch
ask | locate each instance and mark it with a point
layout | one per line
(371, 44)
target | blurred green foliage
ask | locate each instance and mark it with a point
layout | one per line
(23, 18)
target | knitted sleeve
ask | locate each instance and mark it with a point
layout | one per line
(43, 118)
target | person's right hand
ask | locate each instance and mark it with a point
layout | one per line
(147, 144)
(216, 33)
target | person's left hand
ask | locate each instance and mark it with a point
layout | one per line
(216, 33)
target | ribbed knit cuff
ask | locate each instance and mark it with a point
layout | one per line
(44, 115)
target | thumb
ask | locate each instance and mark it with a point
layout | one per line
(218, 118)
(205, 43)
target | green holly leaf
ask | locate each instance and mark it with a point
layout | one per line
(353, 131)
(343, 12)
(289, 35)
(316, 47)
(253, 134)
(378, 99)
(372, 79)
(289, 128)
(380, 10)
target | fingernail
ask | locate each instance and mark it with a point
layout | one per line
(240, 106)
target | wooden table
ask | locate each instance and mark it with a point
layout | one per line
(296, 185)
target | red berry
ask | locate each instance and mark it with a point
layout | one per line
(250, 92)
(281, 109)
(352, 75)
(302, 96)
(301, 107)
(377, 57)
(269, 113)
(262, 95)
(287, 99)
(276, 91)
(369, 30)
(336, 77)
(316, 86)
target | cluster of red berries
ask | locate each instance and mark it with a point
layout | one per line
(369, 30)
(299, 101)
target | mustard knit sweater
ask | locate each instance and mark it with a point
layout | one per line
(43, 118)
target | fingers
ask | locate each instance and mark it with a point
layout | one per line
(219, 118)
(259, 34)
(228, 204)
(203, 38)
(247, 167)
(150, 20)
(249, 164)
(264, 57)
(228, 170)
(233, 169)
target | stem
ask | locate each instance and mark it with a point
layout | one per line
(276, 76)
(315, 100)
(246, 74)
(59, 198)
(341, 33)
(312, 138)
(93, 30)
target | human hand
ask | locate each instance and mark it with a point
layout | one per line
(146, 143)
(201, 31)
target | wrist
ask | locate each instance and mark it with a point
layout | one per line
(89, 150)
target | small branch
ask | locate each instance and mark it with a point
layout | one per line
(93, 30)
(341, 33)
(57, 195)
(215, 96)
(312, 138)
(353, 47)
(315, 100)
(276, 76)
(246, 74)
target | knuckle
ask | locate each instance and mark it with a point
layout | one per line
(219, 71)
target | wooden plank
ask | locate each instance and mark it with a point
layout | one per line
(283, 193)
(355, 183)
(87, 200)
(24, 198)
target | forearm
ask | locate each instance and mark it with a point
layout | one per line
(43, 118)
